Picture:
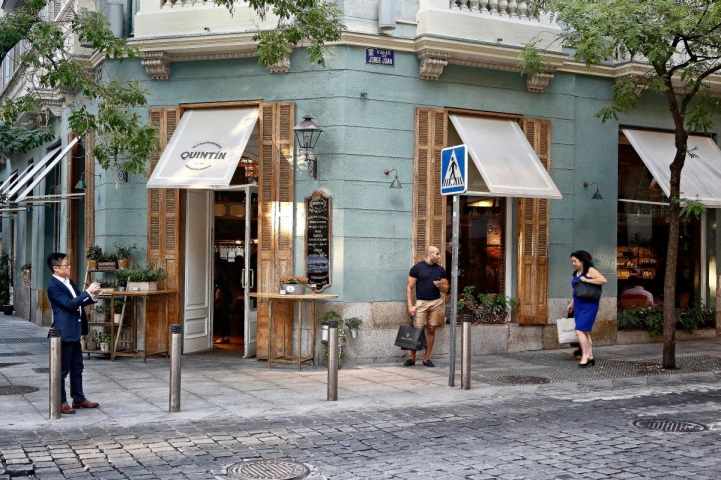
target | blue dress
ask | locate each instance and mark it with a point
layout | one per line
(584, 311)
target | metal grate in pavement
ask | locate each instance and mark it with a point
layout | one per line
(13, 340)
(41, 370)
(15, 354)
(17, 389)
(11, 364)
(671, 425)
(560, 367)
(267, 470)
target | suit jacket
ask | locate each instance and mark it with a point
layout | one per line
(68, 316)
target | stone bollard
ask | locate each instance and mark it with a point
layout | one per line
(333, 360)
(55, 373)
(466, 354)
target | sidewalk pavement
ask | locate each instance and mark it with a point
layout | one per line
(131, 392)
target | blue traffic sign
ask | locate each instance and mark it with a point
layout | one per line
(454, 170)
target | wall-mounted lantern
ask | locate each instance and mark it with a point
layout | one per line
(307, 134)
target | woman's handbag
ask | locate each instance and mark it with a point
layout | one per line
(587, 291)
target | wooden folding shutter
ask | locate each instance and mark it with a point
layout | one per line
(429, 206)
(533, 226)
(164, 227)
(275, 214)
(89, 190)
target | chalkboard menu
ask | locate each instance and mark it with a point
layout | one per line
(318, 211)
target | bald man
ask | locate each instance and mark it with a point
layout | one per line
(430, 283)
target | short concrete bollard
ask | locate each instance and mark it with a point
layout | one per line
(55, 373)
(176, 338)
(466, 354)
(333, 360)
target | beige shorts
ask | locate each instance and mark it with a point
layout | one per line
(429, 313)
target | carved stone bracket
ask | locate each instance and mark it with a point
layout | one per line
(52, 101)
(282, 66)
(432, 64)
(157, 64)
(537, 83)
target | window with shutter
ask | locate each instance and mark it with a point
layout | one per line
(533, 233)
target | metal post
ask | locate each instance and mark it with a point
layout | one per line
(175, 346)
(454, 290)
(55, 373)
(466, 354)
(333, 360)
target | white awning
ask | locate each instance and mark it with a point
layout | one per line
(29, 173)
(48, 168)
(14, 182)
(701, 174)
(504, 163)
(205, 149)
(8, 181)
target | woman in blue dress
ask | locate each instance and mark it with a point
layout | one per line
(584, 311)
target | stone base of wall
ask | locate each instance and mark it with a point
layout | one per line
(630, 337)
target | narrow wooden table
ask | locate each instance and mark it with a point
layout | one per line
(309, 297)
(162, 324)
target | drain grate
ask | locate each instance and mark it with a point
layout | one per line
(671, 425)
(11, 364)
(41, 370)
(523, 380)
(267, 470)
(15, 354)
(11, 340)
(17, 390)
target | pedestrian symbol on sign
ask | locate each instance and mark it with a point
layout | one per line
(454, 170)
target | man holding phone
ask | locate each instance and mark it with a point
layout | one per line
(69, 317)
(429, 281)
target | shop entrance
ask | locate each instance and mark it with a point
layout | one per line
(235, 260)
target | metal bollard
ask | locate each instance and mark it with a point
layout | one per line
(55, 373)
(333, 360)
(176, 338)
(466, 354)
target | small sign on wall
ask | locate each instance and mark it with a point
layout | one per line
(380, 56)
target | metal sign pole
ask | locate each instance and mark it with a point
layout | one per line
(454, 289)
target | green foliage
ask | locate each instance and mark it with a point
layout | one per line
(102, 308)
(353, 323)
(103, 337)
(697, 315)
(5, 277)
(314, 21)
(93, 253)
(124, 251)
(326, 317)
(147, 274)
(486, 307)
(122, 276)
(108, 257)
(26, 266)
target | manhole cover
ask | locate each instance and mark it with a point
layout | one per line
(523, 379)
(670, 425)
(267, 470)
(17, 390)
(11, 364)
(41, 370)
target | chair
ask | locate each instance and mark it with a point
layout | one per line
(633, 300)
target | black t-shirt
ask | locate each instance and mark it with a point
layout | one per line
(425, 274)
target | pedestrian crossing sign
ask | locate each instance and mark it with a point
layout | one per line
(454, 170)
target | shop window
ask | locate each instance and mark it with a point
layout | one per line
(643, 232)
(481, 243)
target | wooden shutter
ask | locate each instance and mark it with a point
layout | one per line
(71, 213)
(164, 227)
(89, 190)
(429, 206)
(275, 214)
(533, 226)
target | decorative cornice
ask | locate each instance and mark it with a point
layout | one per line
(52, 101)
(432, 63)
(157, 64)
(192, 57)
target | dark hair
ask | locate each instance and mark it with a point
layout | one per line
(55, 259)
(634, 281)
(585, 258)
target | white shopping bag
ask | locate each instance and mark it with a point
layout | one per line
(566, 330)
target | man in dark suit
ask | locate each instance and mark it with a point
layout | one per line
(69, 317)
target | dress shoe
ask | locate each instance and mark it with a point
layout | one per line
(428, 363)
(65, 408)
(85, 404)
(588, 363)
(409, 363)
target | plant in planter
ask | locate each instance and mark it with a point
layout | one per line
(5, 282)
(293, 285)
(102, 312)
(107, 286)
(118, 303)
(353, 324)
(107, 261)
(467, 304)
(104, 341)
(122, 276)
(93, 255)
(124, 254)
(325, 319)
(145, 279)
(495, 308)
(91, 341)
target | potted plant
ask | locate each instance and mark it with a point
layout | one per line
(107, 262)
(104, 341)
(5, 282)
(101, 312)
(122, 276)
(119, 303)
(324, 319)
(91, 341)
(353, 324)
(293, 285)
(145, 279)
(93, 254)
(106, 286)
(123, 253)
(494, 308)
